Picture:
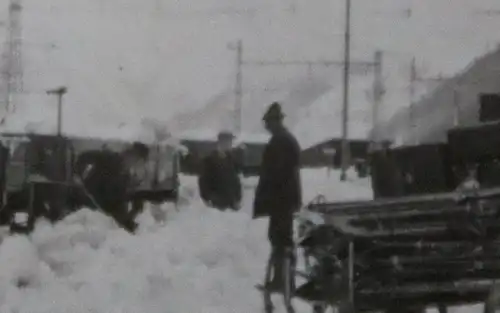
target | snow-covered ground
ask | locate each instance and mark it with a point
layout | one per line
(199, 261)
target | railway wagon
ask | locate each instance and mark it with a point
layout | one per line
(38, 173)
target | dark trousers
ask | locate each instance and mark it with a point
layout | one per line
(118, 211)
(114, 203)
(280, 234)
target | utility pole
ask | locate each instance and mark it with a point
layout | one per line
(13, 65)
(238, 87)
(411, 111)
(378, 91)
(354, 67)
(345, 107)
(456, 102)
(59, 92)
(415, 78)
(456, 107)
(349, 68)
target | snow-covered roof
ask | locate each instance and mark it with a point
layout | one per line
(323, 119)
(199, 134)
(27, 121)
(252, 138)
(211, 135)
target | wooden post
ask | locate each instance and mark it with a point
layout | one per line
(412, 115)
(351, 272)
(378, 91)
(59, 92)
(345, 107)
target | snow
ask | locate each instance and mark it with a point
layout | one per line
(200, 261)
(437, 112)
(322, 120)
(259, 138)
(124, 61)
(211, 135)
(199, 135)
(39, 121)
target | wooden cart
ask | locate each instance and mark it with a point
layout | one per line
(400, 255)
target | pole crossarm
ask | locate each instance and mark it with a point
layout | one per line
(57, 91)
(305, 62)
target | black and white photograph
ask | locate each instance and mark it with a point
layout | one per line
(236, 156)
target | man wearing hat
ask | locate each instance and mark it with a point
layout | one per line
(279, 191)
(106, 179)
(219, 182)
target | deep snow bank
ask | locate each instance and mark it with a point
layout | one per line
(201, 261)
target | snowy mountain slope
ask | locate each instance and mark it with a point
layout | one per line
(158, 58)
(454, 100)
(322, 120)
(219, 112)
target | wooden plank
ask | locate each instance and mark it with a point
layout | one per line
(382, 302)
(427, 275)
(343, 225)
(423, 288)
(411, 203)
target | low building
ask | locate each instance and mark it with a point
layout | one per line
(327, 153)
(251, 148)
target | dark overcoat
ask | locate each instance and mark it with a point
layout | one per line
(279, 190)
(219, 180)
(107, 182)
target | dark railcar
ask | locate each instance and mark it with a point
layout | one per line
(39, 176)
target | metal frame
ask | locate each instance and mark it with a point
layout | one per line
(347, 302)
(289, 274)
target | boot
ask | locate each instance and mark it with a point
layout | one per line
(277, 282)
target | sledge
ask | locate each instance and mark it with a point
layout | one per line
(399, 255)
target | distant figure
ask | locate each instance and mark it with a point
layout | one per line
(469, 186)
(107, 178)
(219, 182)
(387, 179)
(279, 191)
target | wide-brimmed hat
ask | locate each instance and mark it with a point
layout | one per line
(273, 112)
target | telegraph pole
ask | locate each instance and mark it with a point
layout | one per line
(414, 78)
(349, 67)
(345, 107)
(456, 107)
(59, 92)
(238, 86)
(13, 65)
(378, 91)
(411, 112)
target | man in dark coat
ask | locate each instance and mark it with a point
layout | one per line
(279, 191)
(106, 177)
(219, 182)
